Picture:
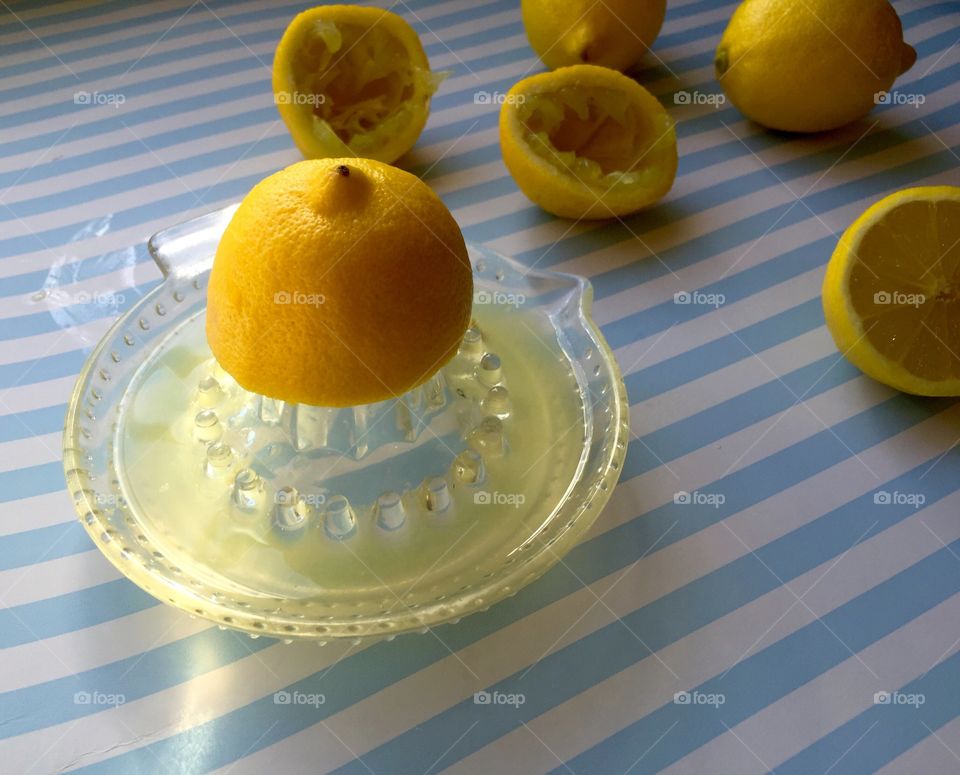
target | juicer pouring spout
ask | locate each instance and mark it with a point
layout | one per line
(187, 249)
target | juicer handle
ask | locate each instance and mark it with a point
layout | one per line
(187, 249)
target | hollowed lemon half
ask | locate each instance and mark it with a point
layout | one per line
(587, 142)
(352, 81)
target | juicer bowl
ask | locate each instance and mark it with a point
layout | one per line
(311, 523)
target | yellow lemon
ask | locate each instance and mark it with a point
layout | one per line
(587, 142)
(891, 295)
(611, 33)
(811, 65)
(352, 81)
(338, 282)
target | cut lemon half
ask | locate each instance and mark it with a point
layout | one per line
(338, 282)
(352, 81)
(891, 295)
(587, 142)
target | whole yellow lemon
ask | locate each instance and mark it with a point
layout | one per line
(610, 33)
(811, 65)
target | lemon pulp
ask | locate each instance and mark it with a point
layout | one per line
(908, 297)
(366, 81)
(587, 142)
(597, 137)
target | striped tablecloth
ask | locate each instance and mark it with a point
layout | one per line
(801, 614)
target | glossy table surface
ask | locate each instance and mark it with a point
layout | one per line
(784, 544)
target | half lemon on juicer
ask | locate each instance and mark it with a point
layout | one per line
(335, 420)
(338, 282)
(587, 142)
(352, 81)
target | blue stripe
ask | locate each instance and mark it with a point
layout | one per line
(752, 406)
(756, 682)
(140, 43)
(558, 676)
(13, 26)
(29, 481)
(886, 730)
(41, 369)
(182, 28)
(697, 362)
(761, 679)
(146, 87)
(682, 255)
(42, 544)
(67, 613)
(139, 676)
(32, 422)
(45, 204)
(621, 546)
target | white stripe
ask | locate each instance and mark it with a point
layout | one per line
(77, 26)
(167, 45)
(39, 346)
(35, 512)
(463, 213)
(935, 753)
(745, 258)
(625, 696)
(40, 395)
(572, 727)
(86, 649)
(662, 572)
(182, 707)
(31, 451)
(786, 727)
(389, 712)
(50, 578)
(175, 94)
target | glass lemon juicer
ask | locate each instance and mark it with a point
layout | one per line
(308, 522)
